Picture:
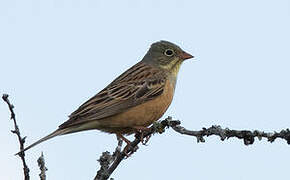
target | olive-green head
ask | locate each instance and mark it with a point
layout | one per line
(166, 55)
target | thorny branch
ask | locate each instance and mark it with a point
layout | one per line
(110, 162)
(20, 139)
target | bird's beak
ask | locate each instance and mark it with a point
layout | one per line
(184, 55)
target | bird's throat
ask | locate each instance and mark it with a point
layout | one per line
(175, 66)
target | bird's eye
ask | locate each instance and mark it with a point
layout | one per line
(169, 52)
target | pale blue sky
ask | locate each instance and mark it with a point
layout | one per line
(56, 54)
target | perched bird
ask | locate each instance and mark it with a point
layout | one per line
(134, 100)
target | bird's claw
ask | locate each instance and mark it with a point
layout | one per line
(129, 150)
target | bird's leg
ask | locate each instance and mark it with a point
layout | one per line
(123, 138)
(140, 130)
(127, 146)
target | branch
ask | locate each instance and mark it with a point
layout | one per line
(247, 136)
(20, 139)
(110, 162)
(41, 165)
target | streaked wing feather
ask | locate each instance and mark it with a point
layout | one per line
(137, 85)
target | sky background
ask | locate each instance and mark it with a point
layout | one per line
(56, 54)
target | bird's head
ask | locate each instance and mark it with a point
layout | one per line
(167, 56)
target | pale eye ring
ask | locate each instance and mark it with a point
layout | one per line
(169, 52)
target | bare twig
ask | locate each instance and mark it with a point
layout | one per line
(41, 165)
(111, 162)
(247, 136)
(20, 139)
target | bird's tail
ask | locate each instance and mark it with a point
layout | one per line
(51, 135)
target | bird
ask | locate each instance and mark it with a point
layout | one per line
(134, 100)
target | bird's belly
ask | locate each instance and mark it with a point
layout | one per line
(141, 115)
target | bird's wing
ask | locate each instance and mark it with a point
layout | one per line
(137, 85)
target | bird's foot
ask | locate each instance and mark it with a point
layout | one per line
(129, 149)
